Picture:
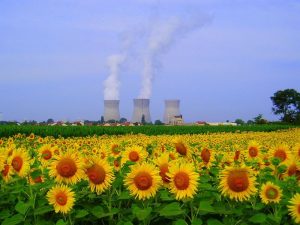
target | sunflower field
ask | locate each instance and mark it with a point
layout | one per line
(211, 179)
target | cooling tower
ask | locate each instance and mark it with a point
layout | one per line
(111, 110)
(141, 107)
(171, 110)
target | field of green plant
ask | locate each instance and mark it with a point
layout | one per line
(84, 131)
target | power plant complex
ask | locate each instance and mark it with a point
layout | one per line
(141, 111)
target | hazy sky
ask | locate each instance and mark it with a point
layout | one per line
(53, 57)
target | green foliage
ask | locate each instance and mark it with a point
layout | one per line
(84, 131)
(287, 104)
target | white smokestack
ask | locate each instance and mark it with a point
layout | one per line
(111, 110)
(171, 109)
(141, 107)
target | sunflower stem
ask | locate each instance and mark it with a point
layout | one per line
(70, 219)
(32, 200)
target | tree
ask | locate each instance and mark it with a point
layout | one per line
(239, 121)
(143, 121)
(259, 119)
(158, 122)
(50, 121)
(287, 104)
(123, 120)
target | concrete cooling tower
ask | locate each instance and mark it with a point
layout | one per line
(111, 110)
(141, 107)
(171, 110)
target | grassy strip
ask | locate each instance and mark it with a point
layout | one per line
(83, 131)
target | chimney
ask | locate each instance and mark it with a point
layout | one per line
(171, 110)
(111, 110)
(141, 107)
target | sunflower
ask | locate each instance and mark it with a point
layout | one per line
(293, 168)
(294, 208)
(67, 168)
(100, 175)
(61, 197)
(20, 162)
(134, 154)
(3, 156)
(207, 157)
(163, 164)
(253, 149)
(45, 154)
(282, 152)
(270, 193)
(184, 180)
(297, 151)
(7, 172)
(115, 150)
(237, 182)
(143, 180)
(117, 165)
(181, 148)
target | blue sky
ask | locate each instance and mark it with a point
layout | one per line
(53, 57)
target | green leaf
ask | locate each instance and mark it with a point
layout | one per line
(22, 207)
(180, 222)
(35, 174)
(258, 218)
(125, 195)
(81, 213)
(61, 222)
(205, 206)
(197, 221)
(165, 196)
(15, 219)
(97, 211)
(4, 214)
(43, 209)
(172, 209)
(141, 214)
(214, 222)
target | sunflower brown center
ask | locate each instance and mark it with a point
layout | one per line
(47, 154)
(237, 155)
(96, 174)
(133, 156)
(181, 180)
(116, 163)
(292, 170)
(17, 163)
(61, 198)
(238, 181)
(205, 155)
(163, 173)
(281, 154)
(143, 181)
(180, 148)
(5, 170)
(298, 208)
(66, 167)
(272, 193)
(253, 151)
(38, 179)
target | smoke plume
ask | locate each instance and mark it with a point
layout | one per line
(162, 37)
(112, 83)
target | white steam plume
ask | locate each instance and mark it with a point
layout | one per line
(112, 83)
(161, 37)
